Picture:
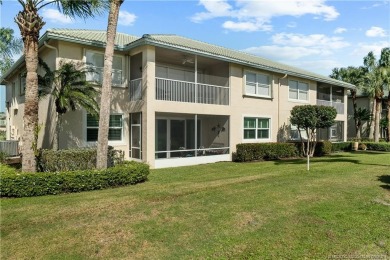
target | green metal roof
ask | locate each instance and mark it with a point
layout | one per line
(198, 47)
(126, 42)
(93, 37)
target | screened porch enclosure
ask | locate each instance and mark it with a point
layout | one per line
(186, 136)
(182, 77)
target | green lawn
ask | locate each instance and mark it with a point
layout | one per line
(265, 210)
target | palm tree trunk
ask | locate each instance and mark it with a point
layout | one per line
(372, 121)
(377, 119)
(105, 103)
(30, 23)
(30, 117)
(353, 94)
(56, 139)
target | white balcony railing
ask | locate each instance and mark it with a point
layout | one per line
(135, 89)
(184, 91)
(337, 105)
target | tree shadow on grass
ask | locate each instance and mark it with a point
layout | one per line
(334, 158)
(386, 180)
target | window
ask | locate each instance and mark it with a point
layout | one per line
(298, 90)
(256, 128)
(22, 84)
(257, 84)
(95, 61)
(294, 133)
(114, 132)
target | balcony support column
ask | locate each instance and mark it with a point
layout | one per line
(196, 79)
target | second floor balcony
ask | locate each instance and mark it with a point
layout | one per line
(191, 92)
(331, 96)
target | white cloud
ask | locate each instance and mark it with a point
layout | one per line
(257, 15)
(340, 30)
(364, 48)
(246, 26)
(315, 41)
(283, 52)
(126, 18)
(53, 15)
(216, 8)
(295, 46)
(375, 31)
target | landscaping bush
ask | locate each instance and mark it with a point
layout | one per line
(74, 159)
(43, 183)
(381, 146)
(264, 151)
(344, 146)
(323, 148)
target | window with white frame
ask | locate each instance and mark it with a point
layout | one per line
(257, 84)
(298, 90)
(95, 61)
(114, 132)
(256, 128)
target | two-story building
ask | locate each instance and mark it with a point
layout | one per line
(177, 101)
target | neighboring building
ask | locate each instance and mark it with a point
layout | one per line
(178, 101)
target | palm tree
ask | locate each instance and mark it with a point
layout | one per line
(9, 46)
(30, 23)
(101, 159)
(361, 115)
(375, 81)
(71, 91)
(384, 67)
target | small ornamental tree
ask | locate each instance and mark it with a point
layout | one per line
(309, 118)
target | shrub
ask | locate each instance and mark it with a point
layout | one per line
(344, 146)
(323, 148)
(74, 159)
(43, 183)
(265, 151)
(5, 169)
(381, 146)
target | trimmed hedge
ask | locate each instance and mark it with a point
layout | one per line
(74, 159)
(381, 146)
(265, 151)
(15, 184)
(344, 146)
(323, 148)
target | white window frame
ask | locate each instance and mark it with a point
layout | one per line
(114, 142)
(258, 84)
(256, 139)
(298, 91)
(122, 84)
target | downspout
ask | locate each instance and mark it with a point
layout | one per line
(53, 48)
(55, 142)
(285, 76)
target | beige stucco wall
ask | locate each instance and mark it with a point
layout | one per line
(277, 108)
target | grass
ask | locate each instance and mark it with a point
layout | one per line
(265, 210)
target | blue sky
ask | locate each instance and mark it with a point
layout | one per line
(315, 35)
